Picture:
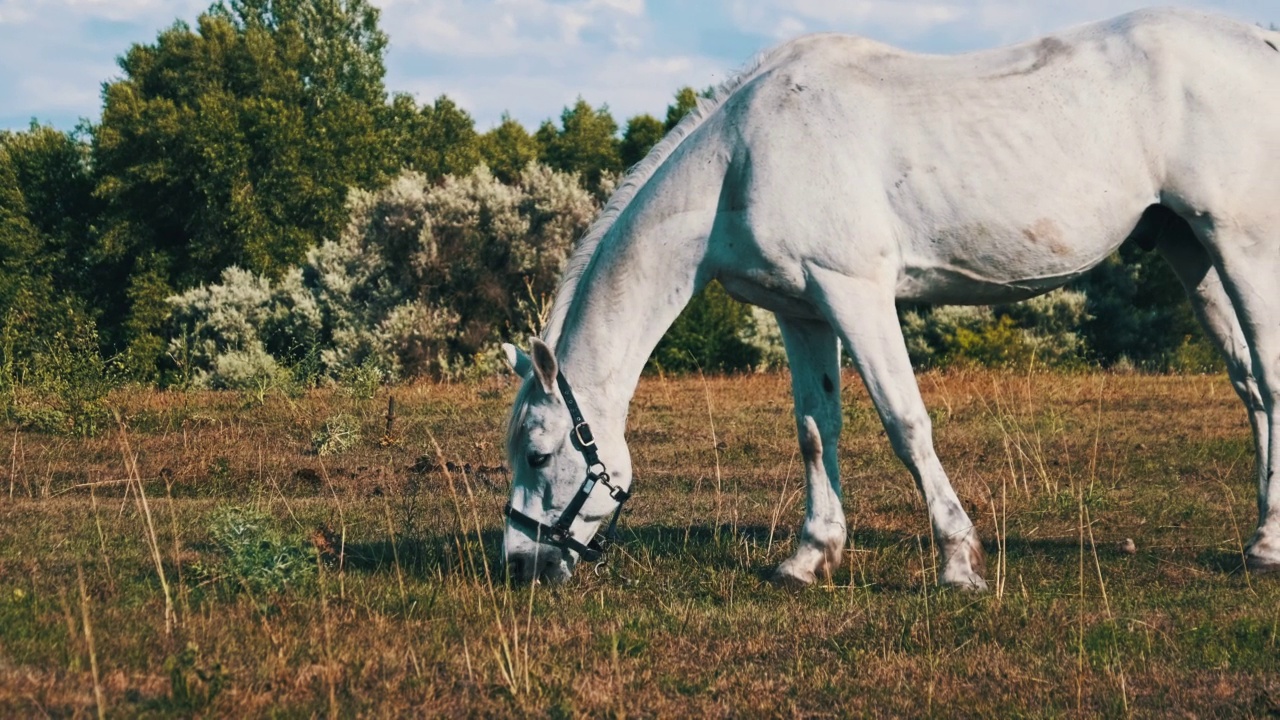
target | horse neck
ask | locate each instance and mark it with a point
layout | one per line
(645, 272)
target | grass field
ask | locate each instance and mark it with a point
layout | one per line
(263, 577)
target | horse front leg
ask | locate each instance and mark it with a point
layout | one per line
(814, 355)
(864, 312)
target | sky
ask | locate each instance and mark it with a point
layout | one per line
(531, 58)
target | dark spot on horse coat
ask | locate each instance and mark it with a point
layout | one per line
(827, 384)
(1046, 51)
(1271, 45)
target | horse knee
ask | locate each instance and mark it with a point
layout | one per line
(911, 435)
(1249, 393)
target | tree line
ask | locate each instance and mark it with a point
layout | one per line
(249, 140)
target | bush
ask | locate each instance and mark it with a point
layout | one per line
(1041, 330)
(424, 281)
(1139, 312)
(52, 374)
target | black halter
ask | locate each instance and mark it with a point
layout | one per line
(558, 533)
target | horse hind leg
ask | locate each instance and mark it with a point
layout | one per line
(1217, 315)
(814, 355)
(1248, 266)
(865, 314)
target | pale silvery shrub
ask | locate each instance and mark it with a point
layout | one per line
(218, 340)
(1051, 323)
(930, 333)
(764, 334)
(423, 280)
(1044, 329)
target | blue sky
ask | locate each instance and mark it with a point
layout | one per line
(532, 57)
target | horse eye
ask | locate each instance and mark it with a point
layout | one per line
(537, 460)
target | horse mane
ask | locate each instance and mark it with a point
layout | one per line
(576, 266)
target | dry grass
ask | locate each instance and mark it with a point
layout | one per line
(406, 614)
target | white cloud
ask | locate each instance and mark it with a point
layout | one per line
(533, 57)
(507, 28)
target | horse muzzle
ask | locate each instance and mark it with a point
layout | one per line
(529, 561)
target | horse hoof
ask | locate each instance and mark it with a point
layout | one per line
(967, 583)
(1262, 554)
(1261, 566)
(793, 578)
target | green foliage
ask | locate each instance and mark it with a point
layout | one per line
(52, 172)
(1040, 330)
(234, 144)
(586, 143)
(1139, 311)
(253, 554)
(20, 242)
(710, 335)
(686, 101)
(362, 381)
(508, 149)
(52, 375)
(54, 379)
(436, 140)
(642, 133)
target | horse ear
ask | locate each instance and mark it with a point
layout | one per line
(518, 360)
(544, 365)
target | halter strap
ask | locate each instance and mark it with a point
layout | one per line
(558, 534)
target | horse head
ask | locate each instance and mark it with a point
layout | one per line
(564, 484)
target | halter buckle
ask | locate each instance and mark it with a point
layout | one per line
(582, 431)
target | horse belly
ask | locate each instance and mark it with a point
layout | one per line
(997, 262)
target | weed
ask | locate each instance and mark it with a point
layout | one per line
(362, 381)
(340, 433)
(254, 555)
(192, 684)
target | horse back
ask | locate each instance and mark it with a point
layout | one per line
(1000, 174)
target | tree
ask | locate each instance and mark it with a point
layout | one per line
(52, 173)
(586, 143)
(642, 133)
(20, 242)
(686, 101)
(234, 143)
(335, 46)
(436, 140)
(46, 338)
(508, 149)
(708, 336)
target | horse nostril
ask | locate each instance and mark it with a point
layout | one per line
(518, 568)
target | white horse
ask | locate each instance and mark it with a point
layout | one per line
(838, 176)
